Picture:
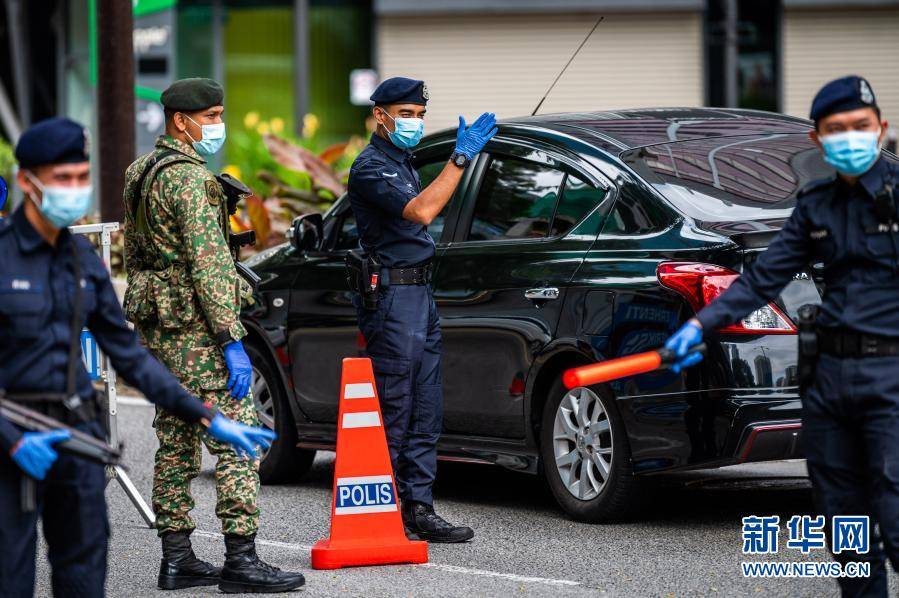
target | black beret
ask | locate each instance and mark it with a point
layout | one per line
(56, 140)
(190, 95)
(842, 95)
(400, 90)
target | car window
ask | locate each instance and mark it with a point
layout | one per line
(517, 200)
(727, 179)
(348, 234)
(427, 172)
(578, 198)
(634, 214)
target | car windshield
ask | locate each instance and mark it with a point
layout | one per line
(728, 179)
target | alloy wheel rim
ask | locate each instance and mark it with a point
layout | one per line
(264, 402)
(582, 443)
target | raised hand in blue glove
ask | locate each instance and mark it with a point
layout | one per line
(687, 336)
(34, 454)
(240, 369)
(245, 439)
(471, 140)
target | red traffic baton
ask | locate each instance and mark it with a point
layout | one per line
(622, 367)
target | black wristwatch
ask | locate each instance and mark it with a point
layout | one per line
(460, 159)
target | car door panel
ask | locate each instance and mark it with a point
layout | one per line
(492, 330)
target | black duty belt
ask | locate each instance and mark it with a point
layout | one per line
(848, 343)
(412, 275)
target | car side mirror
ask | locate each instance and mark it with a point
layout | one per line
(307, 232)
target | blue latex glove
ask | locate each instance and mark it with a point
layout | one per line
(245, 439)
(471, 140)
(689, 335)
(241, 370)
(34, 454)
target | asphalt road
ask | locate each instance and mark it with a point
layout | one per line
(686, 543)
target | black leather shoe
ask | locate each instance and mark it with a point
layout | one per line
(420, 519)
(245, 573)
(180, 567)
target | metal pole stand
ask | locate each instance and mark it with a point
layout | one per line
(99, 367)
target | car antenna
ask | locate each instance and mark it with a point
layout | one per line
(595, 25)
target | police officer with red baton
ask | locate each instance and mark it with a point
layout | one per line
(850, 412)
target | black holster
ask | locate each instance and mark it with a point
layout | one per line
(364, 277)
(809, 347)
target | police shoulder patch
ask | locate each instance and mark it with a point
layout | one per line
(213, 192)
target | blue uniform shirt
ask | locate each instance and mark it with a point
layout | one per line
(835, 224)
(382, 181)
(36, 301)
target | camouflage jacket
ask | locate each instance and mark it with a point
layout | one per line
(181, 275)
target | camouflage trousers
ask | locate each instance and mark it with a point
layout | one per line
(202, 370)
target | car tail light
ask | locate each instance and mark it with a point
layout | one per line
(699, 284)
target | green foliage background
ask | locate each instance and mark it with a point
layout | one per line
(7, 160)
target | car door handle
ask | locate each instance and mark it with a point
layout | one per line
(542, 294)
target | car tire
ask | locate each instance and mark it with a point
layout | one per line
(283, 462)
(605, 439)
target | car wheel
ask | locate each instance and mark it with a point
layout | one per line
(585, 454)
(283, 462)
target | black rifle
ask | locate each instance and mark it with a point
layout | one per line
(234, 191)
(80, 444)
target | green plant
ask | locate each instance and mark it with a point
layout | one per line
(7, 160)
(289, 175)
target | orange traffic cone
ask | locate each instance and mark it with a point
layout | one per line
(366, 526)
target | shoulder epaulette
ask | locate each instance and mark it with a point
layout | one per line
(816, 184)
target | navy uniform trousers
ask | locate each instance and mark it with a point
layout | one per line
(403, 341)
(72, 504)
(850, 434)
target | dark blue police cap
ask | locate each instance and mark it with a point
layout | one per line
(56, 140)
(400, 90)
(842, 95)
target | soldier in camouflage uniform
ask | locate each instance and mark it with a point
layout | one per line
(184, 297)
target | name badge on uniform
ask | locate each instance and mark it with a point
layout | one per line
(820, 234)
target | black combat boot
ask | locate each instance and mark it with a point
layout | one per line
(181, 568)
(245, 573)
(420, 519)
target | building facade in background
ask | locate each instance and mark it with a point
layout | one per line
(501, 55)
(277, 59)
(280, 60)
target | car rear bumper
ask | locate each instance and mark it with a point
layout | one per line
(770, 441)
(711, 428)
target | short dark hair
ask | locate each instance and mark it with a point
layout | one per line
(169, 114)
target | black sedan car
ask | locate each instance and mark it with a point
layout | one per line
(572, 238)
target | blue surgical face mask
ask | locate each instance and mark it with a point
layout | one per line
(408, 131)
(213, 138)
(853, 152)
(62, 206)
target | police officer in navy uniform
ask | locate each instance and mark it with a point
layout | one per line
(402, 331)
(52, 284)
(850, 412)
